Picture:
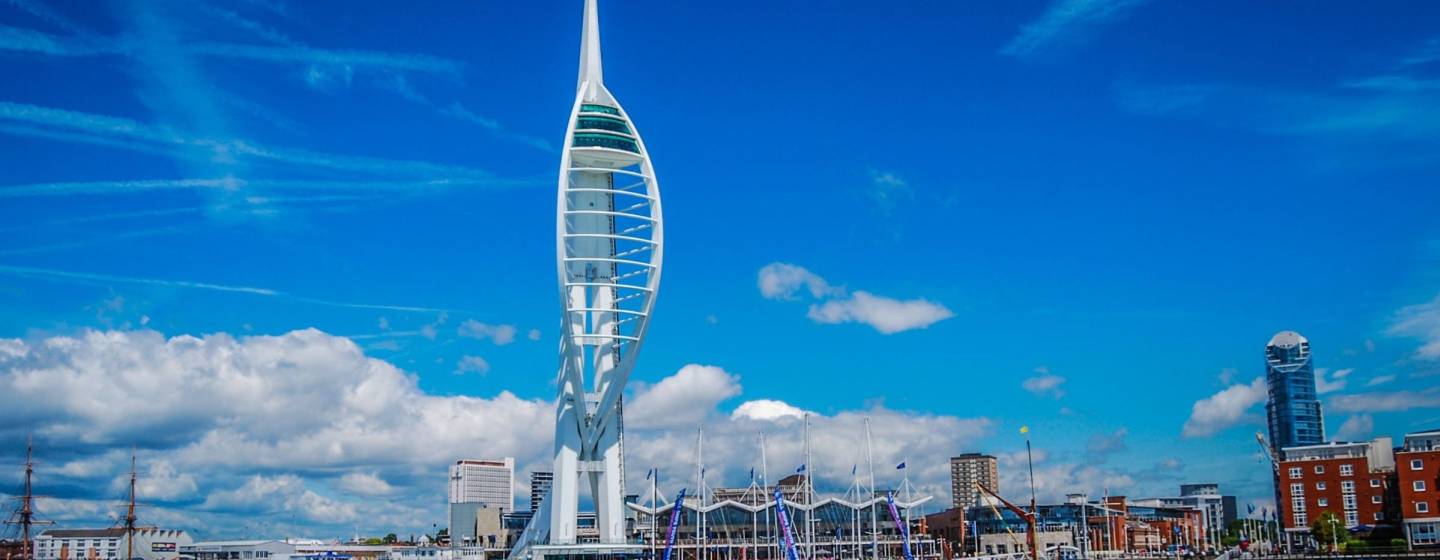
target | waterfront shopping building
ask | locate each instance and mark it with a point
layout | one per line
(109, 544)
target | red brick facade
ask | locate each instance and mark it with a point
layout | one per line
(1418, 476)
(1344, 486)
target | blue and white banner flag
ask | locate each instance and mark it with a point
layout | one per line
(783, 516)
(895, 516)
(674, 523)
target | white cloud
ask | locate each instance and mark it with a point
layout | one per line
(534, 334)
(1101, 446)
(1394, 401)
(1420, 321)
(1044, 384)
(1336, 381)
(499, 334)
(1224, 409)
(1380, 380)
(884, 314)
(681, 400)
(229, 416)
(472, 364)
(1067, 22)
(781, 280)
(365, 484)
(159, 482)
(766, 409)
(887, 190)
(1356, 428)
(284, 493)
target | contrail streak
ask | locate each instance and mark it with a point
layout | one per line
(89, 277)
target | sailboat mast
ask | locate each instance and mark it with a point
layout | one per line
(870, 460)
(764, 484)
(809, 494)
(130, 513)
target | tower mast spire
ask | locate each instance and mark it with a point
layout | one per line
(590, 68)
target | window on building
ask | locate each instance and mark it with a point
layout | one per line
(1297, 488)
(1299, 519)
(1347, 470)
(1352, 519)
(1418, 486)
(1320, 485)
(1322, 502)
(1416, 464)
(1424, 533)
(1294, 472)
(1379, 516)
(1347, 485)
(1349, 501)
(1374, 483)
(1375, 499)
(1422, 507)
(1319, 469)
(1297, 503)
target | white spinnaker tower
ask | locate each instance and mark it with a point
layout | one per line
(609, 240)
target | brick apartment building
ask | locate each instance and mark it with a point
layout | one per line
(1418, 468)
(1351, 480)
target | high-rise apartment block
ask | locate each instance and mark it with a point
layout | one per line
(539, 486)
(970, 469)
(1292, 410)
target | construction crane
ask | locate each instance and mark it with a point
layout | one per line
(1028, 516)
(1265, 448)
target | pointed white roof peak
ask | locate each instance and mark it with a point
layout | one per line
(590, 69)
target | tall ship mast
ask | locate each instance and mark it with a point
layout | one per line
(24, 516)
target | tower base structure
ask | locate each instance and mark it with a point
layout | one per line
(590, 551)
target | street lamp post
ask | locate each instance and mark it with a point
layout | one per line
(1334, 535)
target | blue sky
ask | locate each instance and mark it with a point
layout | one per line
(1083, 216)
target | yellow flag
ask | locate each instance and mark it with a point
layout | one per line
(1024, 429)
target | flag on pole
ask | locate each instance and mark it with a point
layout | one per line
(853, 468)
(752, 474)
(900, 466)
(801, 469)
(1024, 429)
(649, 473)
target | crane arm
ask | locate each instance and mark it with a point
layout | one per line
(1028, 516)
(1265, 448)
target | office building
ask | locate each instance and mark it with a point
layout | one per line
(539, 486)
(481, 490)
(1293, 409)
(1418, 467)
(488, 482)
(970, 469)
